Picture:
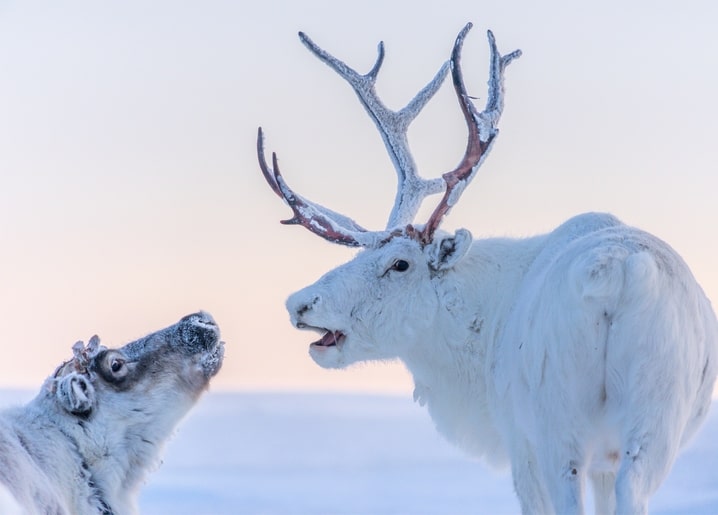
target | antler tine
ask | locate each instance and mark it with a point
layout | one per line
(324, 222)
(482, 127)
(393, 126)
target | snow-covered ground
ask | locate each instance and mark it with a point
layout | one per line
(292, 453)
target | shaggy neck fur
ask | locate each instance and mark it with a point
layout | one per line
(452, 374)
(101, 471)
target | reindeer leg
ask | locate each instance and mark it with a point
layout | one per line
(564, 477)
(527, 481)
(604, 484)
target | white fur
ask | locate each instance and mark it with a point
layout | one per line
(589, 352)
(85, 443)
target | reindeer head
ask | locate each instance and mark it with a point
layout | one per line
(159, 374)
(375, 305)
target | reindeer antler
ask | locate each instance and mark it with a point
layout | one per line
(324, 222)
(482, 127)
(81, 357)
(393, 127)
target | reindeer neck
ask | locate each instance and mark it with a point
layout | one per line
(63, 461)
(450, 369)
(473, 301)
(106, 468)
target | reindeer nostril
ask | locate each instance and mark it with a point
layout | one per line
(303, 309)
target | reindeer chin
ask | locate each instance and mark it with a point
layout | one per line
(327, 352)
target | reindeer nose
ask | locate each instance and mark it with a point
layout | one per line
(199, 331)
(299, 304)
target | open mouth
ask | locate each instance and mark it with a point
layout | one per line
(330, 339)
(211, 359)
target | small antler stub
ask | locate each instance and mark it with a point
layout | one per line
(82, 356)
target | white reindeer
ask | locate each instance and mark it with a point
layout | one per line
(85, 443)
(588, 351)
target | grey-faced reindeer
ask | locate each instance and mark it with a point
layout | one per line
(589, 351)
(84, 445)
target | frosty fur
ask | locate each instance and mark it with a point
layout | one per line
(85, 443)
(590, 352)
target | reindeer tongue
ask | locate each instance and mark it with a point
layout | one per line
(329, 339)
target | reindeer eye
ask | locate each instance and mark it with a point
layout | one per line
(113, 366)
(116, 365)
(400, 265)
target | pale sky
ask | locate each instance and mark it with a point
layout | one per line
(130, 193)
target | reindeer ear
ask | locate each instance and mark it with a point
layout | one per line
(446, 250)
(75, 393)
